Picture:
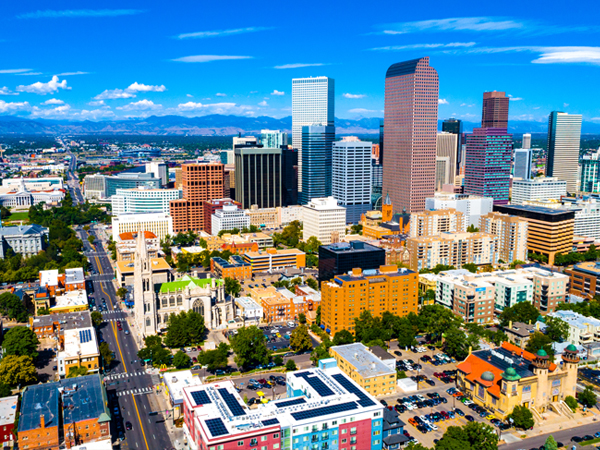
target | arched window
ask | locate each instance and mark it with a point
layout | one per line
(171, 301)
(179, 300)
(165, 302)
(198, 307)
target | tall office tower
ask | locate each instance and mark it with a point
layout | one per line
(522, 163)
(564, 135)
(351, 176)
(200, 182)
(273, 138)
(445, 161)
(495, 110)
(258, 177)
(289, 178)
(312, 103)
(526, 142)
(410, 123)
(317, 141)
(590, 173)
(160, 171)
(455, 126)
(381, 134)
(488, 164)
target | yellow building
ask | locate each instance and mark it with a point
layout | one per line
(507, 376)
(427, 282)
(161, 271)
(377, 231)
(367, 370)
(70, 301)
(387, 289)
(273, 259)
(80, 349)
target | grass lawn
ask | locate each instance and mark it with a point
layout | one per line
(24, 215)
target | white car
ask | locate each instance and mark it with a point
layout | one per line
(409, 406)
(467, 402)
(275, 331)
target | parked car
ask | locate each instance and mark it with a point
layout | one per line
(470, 418)
(128, 425)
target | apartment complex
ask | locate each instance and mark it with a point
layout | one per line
(472, 207)
(263, 217)
(549, 231)
(235, 268)
(280, 304)
(274, 259)
(590, 172)
(470, 299)
(386, 289)
(143, 200)
(432, 222)
(160, 224)
(511, 232)
(324, 219)
(454, 249)
(342, 257)
(582, 330)
(540, 188)
(585, 279)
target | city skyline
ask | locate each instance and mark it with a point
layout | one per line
(158, 60)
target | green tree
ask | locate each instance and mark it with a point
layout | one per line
(472, 229)
(312, 283)
(318, 315)
(320, 352)
(550, 443)
(516, 263)
(184, 329)
(232, 287)
(300, 340)
(215, 359)
(77, 371)
(436, 319)
(97, 318)
(588, 397)
(122, 292)
(91, 239)
(474, 436)
(522, 417)
(5, 390)
(343, 337)
(290, 365)
(521, 312)
(17, 370)
(12, 307)
(302, 318)
(457, 343)
(278, 360)
(250, 347)
(182, 360)
(470, 267)
(4, 212)
(106, 353)
(413, 446)
(43, 312)
(572, 402)
(312, 245)
(21, 341)
(556, 329)
(539, 341)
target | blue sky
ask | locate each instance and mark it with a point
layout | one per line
(110, 59)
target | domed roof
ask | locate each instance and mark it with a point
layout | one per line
(511, 374)
(487, 376)
(571, 348)
(541, 352)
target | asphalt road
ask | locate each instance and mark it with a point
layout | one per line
(127, 383)
(563, 436)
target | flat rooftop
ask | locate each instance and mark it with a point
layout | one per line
(38, 400)
(80, 342)
(67, 321)
(74, 276)
(362, 360)
(536, 212)
(74, 298)
(126, 267)
(190, 282)
(83, 398)
(8, 409)
(351, 247)
(590, 267)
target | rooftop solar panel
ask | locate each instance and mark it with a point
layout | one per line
(231, 402)
(201, 398)
(216, 427)
(325, 410)
(268, 422)
(316, 383)
(296, 401)
(364, 400)
(85, 336)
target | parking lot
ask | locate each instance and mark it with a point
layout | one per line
(278, 336)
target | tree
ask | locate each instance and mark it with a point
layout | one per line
(122, 292)
(457, 343)
(21, 341)
(312, 283)
(302, 318)
(106, 353)
(300, 340)
(320, 352)
(436, 319)
(470, 267)
(550, 444)
(588, 397)
(77, 371)
(182, 360)
(312, 245)
(215, 359)
(343, 337)
(556, 329)
(290, 365)
(539, 341)
(522, 417)
(250, 347)
(571, 402)
(318, 315)
(5, 390)
(516, 263)
(472, 229)
(43, 312)
(12, 307)
(184, 329)
(278, 360)
(413, 446)
(232, 287)
(4, 213)
(473, 436)
(91, 239)
(522, 312)
(97, 318)
(17, 370)
(368, 328)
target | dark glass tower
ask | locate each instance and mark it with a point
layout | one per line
(317, 142)
(290, 176)
(258, 177)
(455, 126)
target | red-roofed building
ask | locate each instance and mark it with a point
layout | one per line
(507, 376)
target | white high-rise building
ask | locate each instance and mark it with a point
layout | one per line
(273, 138)
(143, 200)
(160, 224)
(228, 218)
(324, 219)
(526, 143)
(445, 161)
(522, 158)
(351, 176)
(564, 136)
(472, 206)
(159, 169)
(312, 103)
(549, 188)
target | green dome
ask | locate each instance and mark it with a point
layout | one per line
(511, 374)
(571, 348)
(487, 376)
(541, 352)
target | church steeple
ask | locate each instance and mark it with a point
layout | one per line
(387, 209)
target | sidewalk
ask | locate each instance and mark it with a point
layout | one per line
(176, 435)
(555, 424)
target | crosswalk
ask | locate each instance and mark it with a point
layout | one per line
(141, 391)
(120, 376)
(113, 311)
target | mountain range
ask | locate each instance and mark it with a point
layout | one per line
(220, 125)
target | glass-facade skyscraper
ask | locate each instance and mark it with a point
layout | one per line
(564, 136)
(317, 142)
(590, 173)
(455, 126)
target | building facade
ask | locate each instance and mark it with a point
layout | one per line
(472, 207)
(495, 110)
(342, 258)
(511, 232)
(526, 141)
(211, 206)
(564, 136)
(258, 177)
(228, 218)
(446, 159)
(235, 268)
(160, 224)
(523, 159)
(28, 240)
(316, 154)
(324, 219)
(433, 222)
(540, 188)
(410, 123)
(160, 170)
(585, 279)
(590, 173)
(274, 259)
(143, 200)
(454, 126)
(273, 138)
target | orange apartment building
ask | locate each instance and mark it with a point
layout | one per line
(235, 268)
(280, 305)
(273, 259)
(200, 182)
(54, 325)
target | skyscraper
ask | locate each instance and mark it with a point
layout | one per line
(317, 141)
(495, 110)
(273, 138)
(410, 124)
(312, 103)
(381, 134)
(590, 173)
(488, 163)
(522, 165)
(564, 135)
(455, 126)
(289, 181)
(526, 142)
(258, 177)
(445, 161)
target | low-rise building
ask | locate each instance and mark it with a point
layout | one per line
(161, 224)
(261, 239)
(8, 413)
(289, 214)
(235, 268)
(174, 383)
(519, 333)
(365, 369)
(263, 217)
(80, 349)
(28, 240)
(53, 326)
(582, 329)
(274, 259)
(324, 219)
(249, 310)
(585, 279)
(161, 271)
(229, 217)
(70, 301)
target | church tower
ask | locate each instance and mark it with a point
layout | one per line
(570, 359)
(144, 308)
(387, 209)
(541, 366)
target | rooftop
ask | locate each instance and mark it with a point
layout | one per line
(67, 321)
(362, 360)
(8, 409)
(190, 282)
(74, 276)
(352, 247)
(246, 303)
(381, 353)
(70, 299)
(529, 211)
(576, 320)
(589, 267)
(83, 398)
(38, 400)
(79, 342)
(49, 277)
(23, 230)
(126, 267)
(130, 236)
(176, 381)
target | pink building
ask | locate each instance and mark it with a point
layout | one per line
(410, 133)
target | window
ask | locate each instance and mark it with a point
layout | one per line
(276, 436)
(263, 438)
(240, 443)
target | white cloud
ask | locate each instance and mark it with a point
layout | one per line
(442, 101)
(426, 46)
(111, 94)
(298, 65)
(197, 108)
(220, 33)
(208, 58)
(53, 101)
(44, 88)
(263, 103)
(15, 70)
(136, 87)
(6, 91)
(28, 74)
(361, 111)
(565, 105)
(189, 95)
(219, 94)
(276, 92)
(70, 13)
(595, 119)
(59, 111)
(97, 103)
(142, 105)
(455, 24)
(467, 105)
(566, 55)
(354, 95)
(13, 106)
(514, 99)
(67, 74)
(96, 114)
